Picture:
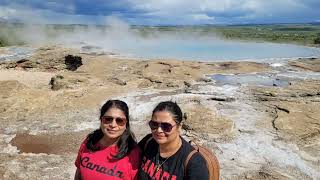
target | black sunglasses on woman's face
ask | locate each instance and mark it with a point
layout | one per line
(166, 127)
(109, 119)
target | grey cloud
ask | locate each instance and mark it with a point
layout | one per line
(174, 11)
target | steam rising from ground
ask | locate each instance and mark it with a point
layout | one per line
(115, 36)
(187, 43)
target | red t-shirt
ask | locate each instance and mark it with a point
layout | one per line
(100, 164)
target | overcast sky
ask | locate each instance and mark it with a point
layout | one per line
(161, 12)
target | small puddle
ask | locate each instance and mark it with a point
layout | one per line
(49, 144)
(16, 53)
(250, 79)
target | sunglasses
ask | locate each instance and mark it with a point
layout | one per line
(166, 127)
(109, 120)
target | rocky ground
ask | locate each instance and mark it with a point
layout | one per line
(258, 131)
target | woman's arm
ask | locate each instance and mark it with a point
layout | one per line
(77, 175)
(135, 161)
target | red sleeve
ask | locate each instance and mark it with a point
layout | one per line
(81, 149)
(135, 160)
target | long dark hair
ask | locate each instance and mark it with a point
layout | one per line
(171, 107)
(126, 141)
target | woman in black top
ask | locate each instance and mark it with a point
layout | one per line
(165, 151)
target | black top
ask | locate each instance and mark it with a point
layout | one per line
(172, 167)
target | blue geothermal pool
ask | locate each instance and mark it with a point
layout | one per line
(212, 50)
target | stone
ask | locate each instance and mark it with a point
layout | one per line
(73, 62)
(308, 64)
(119, 81)
(57, 83)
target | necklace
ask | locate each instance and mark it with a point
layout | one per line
(158, 164)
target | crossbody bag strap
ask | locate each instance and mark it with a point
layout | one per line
(187, 160)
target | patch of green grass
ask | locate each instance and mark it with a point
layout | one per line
(317, 39)
(297, 34)
(9, 34)
(2, 43)
(304, 34)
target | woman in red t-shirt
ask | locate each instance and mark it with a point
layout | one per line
(110, 152)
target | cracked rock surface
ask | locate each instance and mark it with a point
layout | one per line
(257, 130)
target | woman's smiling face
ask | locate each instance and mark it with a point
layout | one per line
(160, 127)
(111, 124)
